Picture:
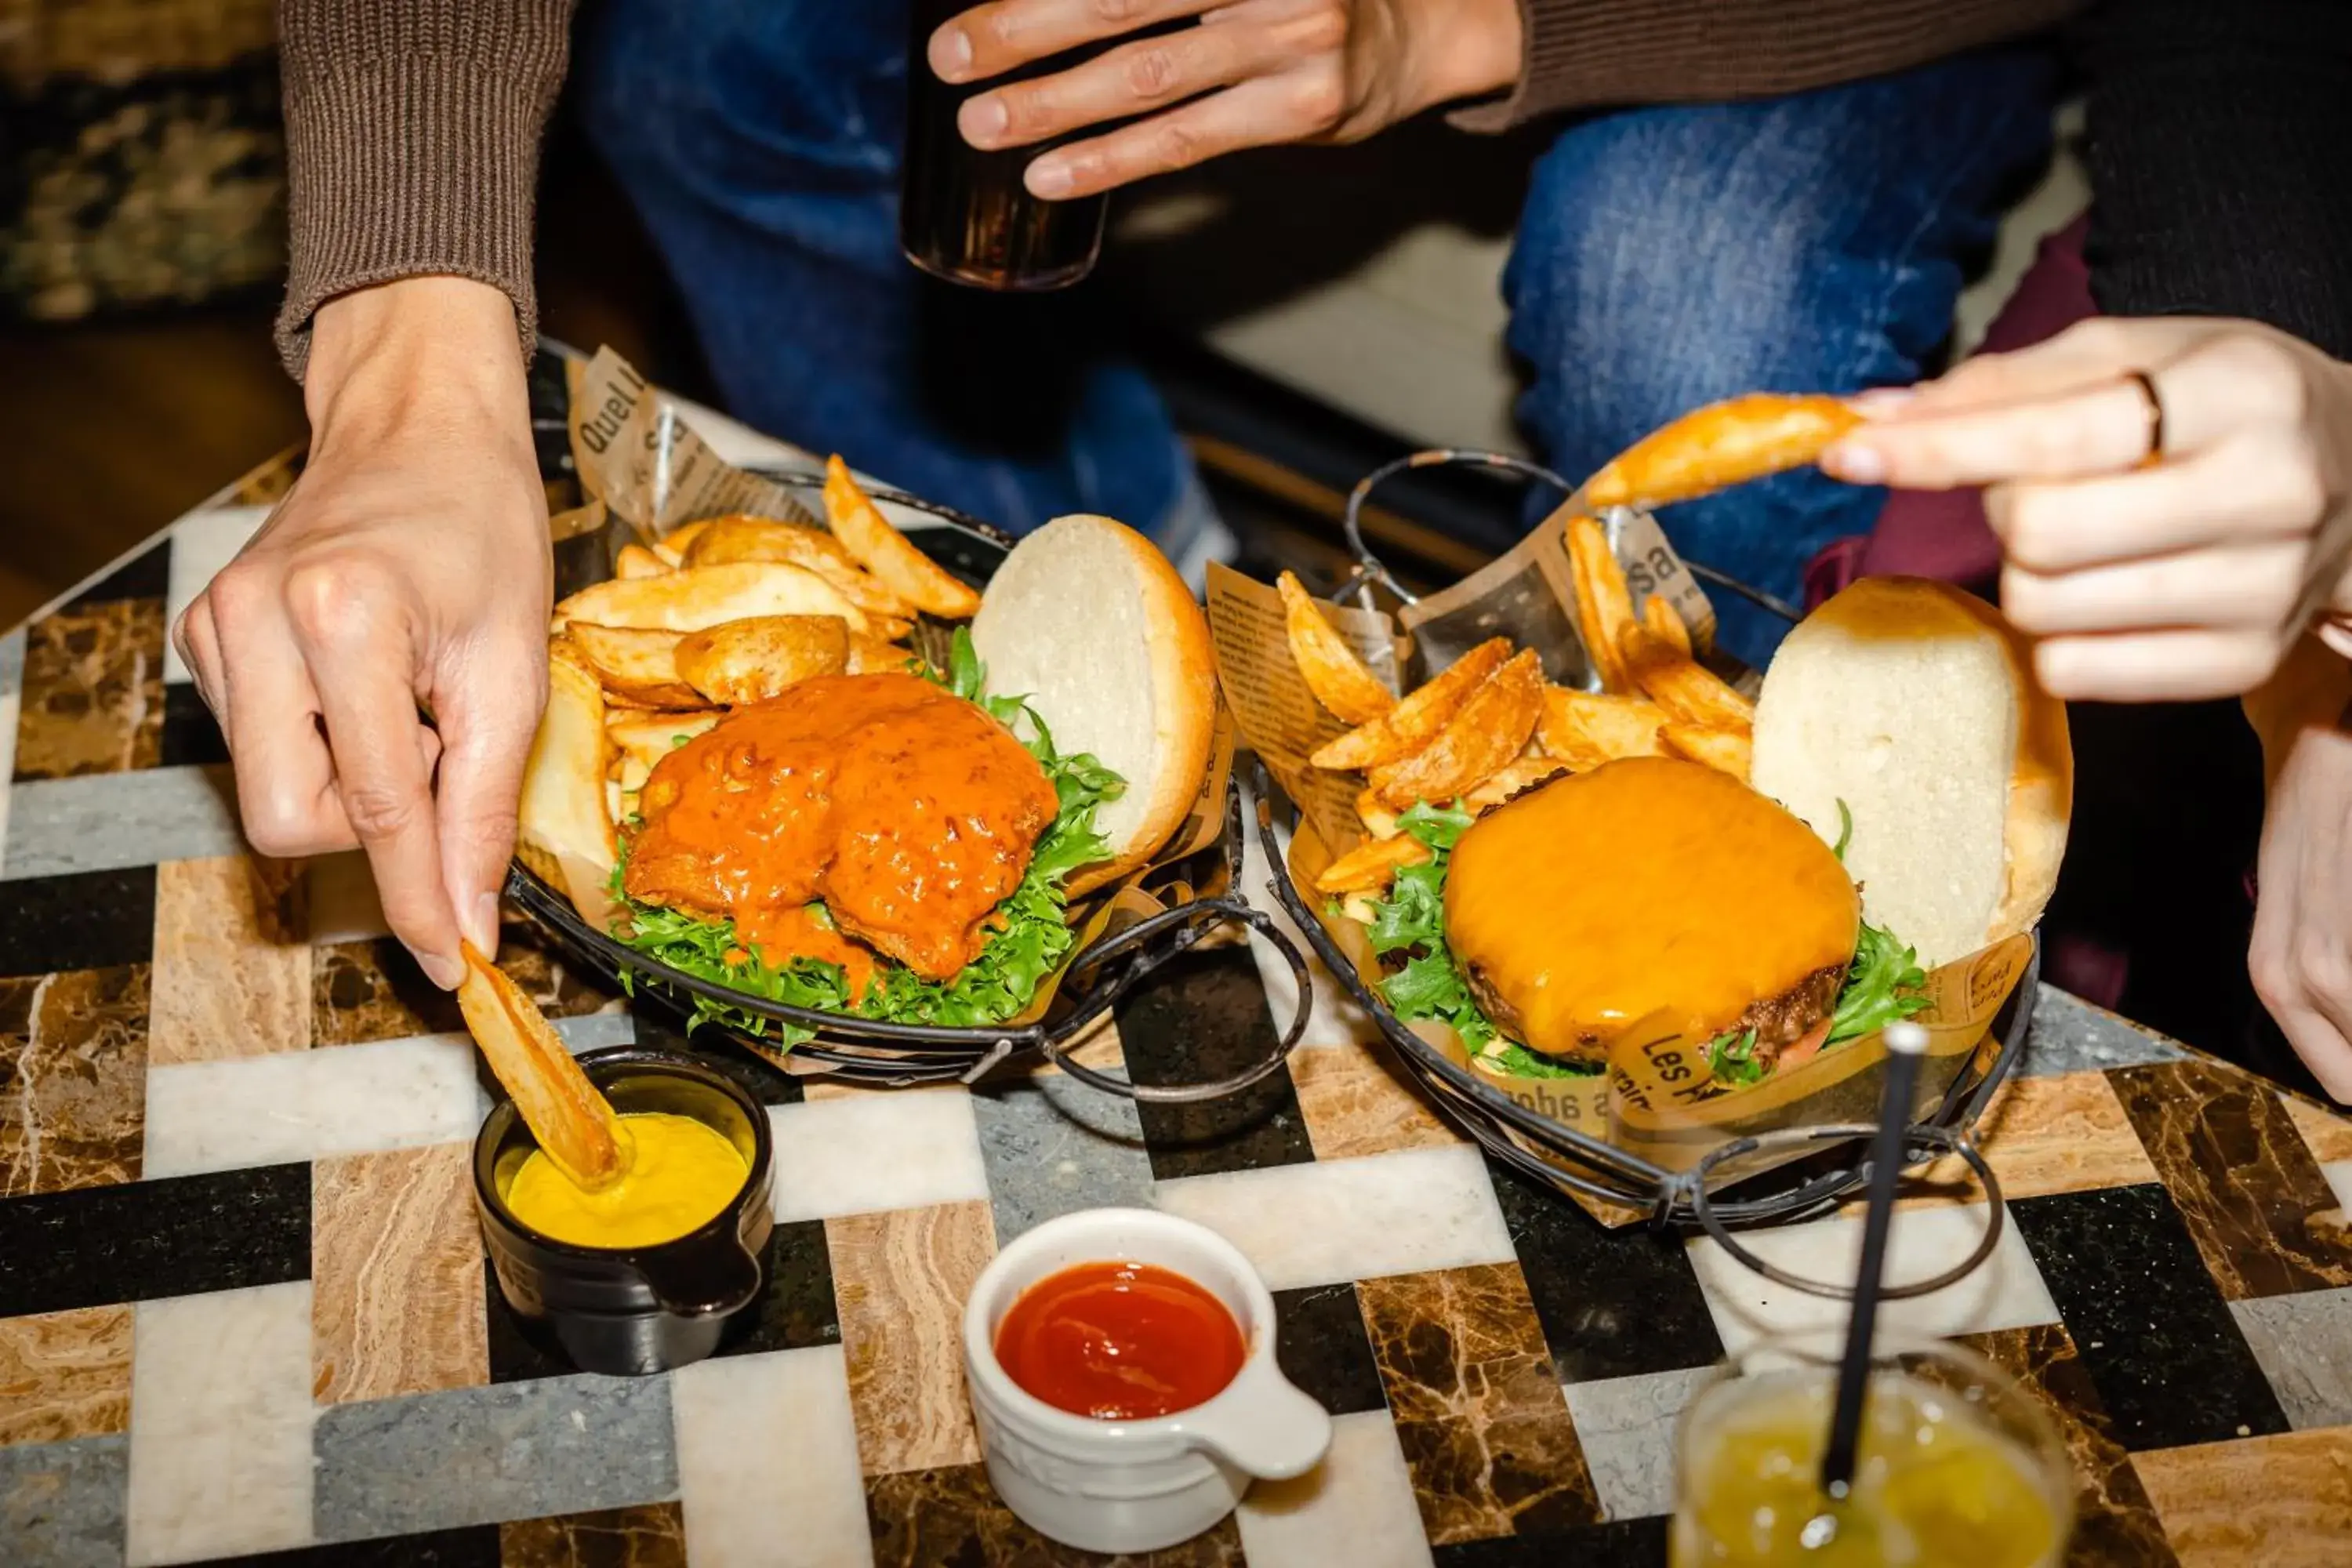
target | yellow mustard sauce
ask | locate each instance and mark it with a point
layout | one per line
(681, 1174)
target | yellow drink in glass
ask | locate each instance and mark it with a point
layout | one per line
(1959, 1467)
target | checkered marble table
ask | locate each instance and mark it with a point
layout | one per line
(244, 1313)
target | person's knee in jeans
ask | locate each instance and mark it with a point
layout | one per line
(1672, 257)
(761, 141)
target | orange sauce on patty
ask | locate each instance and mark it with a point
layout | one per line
(910, 812)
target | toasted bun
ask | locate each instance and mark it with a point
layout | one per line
(1088, 620)
(1915, 705)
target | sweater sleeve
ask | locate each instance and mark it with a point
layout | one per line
(412, 139)
(2216, 140)
(1585, 54)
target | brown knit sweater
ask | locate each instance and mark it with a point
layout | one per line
(413, 126)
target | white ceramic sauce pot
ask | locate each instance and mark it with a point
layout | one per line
(1136, 1486)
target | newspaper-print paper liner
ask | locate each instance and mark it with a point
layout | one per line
(647, 474)
(1658, 1099)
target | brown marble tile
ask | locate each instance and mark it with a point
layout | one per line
(2115, 1526)
(64, 1374)
(94, 698)
(73, 1079)
(651, 1536)
(2063, 1134)
(2326, 1133)
(899, 1279)
(2254, 1200)
(950, 1518)
(1479, 1413)
(372, 990)
(232, 974)
(561, 992)
(396, 1275)
(2282, 1502)
(1356, 1101)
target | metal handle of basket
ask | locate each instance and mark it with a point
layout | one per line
(1184, 927)
(1371, 569)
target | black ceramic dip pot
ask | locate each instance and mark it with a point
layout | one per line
(631, 1311)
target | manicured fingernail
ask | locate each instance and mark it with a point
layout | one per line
(984, 120)
(1881, 401)
(440, 969)
(1855, 465)
(1049, 178)
(950, 53)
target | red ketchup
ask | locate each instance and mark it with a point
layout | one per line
(1119, 1341)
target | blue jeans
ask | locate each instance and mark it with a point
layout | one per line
(1667, 257)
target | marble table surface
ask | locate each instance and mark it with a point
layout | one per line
(244, 1313)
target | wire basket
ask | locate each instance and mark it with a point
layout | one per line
(1093, 979)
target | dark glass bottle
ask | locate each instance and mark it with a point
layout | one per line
(964, 215)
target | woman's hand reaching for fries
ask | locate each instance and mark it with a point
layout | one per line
(1253, 73)
(408, 573)
(2165, 540)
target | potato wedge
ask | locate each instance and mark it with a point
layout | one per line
(1690, 693)
(1347, 689)
(563, 829)
(1722, 445)
(1604, 605)
(1725, 751)
(630, 780)
(1416, 720)
(1665, 623)
(882, 550)
(1492, 726)
(751, 660)
(646, 738)
(729, 539)
(1378, 820)
(694, 598)
(576, 1125)
(1514, 779)
(1371, 865)
(869, 654)
(636, 663)
(637, 561)
(673, 547)
(1586, 728)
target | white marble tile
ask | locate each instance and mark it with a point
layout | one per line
(202, 543)
(594, 1031)
(1627, 1426)
(1354, 1508)
(1330, 1220)
(2006, 1291)
(341, 896)
(305, 1105)
(2339, 1177)
(103, 822)
(765, 1438)
(2303, 1344)
(220, 1424)
(861, 1153)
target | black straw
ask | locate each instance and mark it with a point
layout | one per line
(1906, 1044)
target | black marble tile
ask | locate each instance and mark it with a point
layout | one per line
(192, 736)
(179, 1235)
(2146, 1320)
(147, 575)
(1626, 1543)
(474, 1546)
(1203, 1016)
(659, 1030)
(1320, 1342)
(1613, 1303)
(87, 919)
(798, 1307)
